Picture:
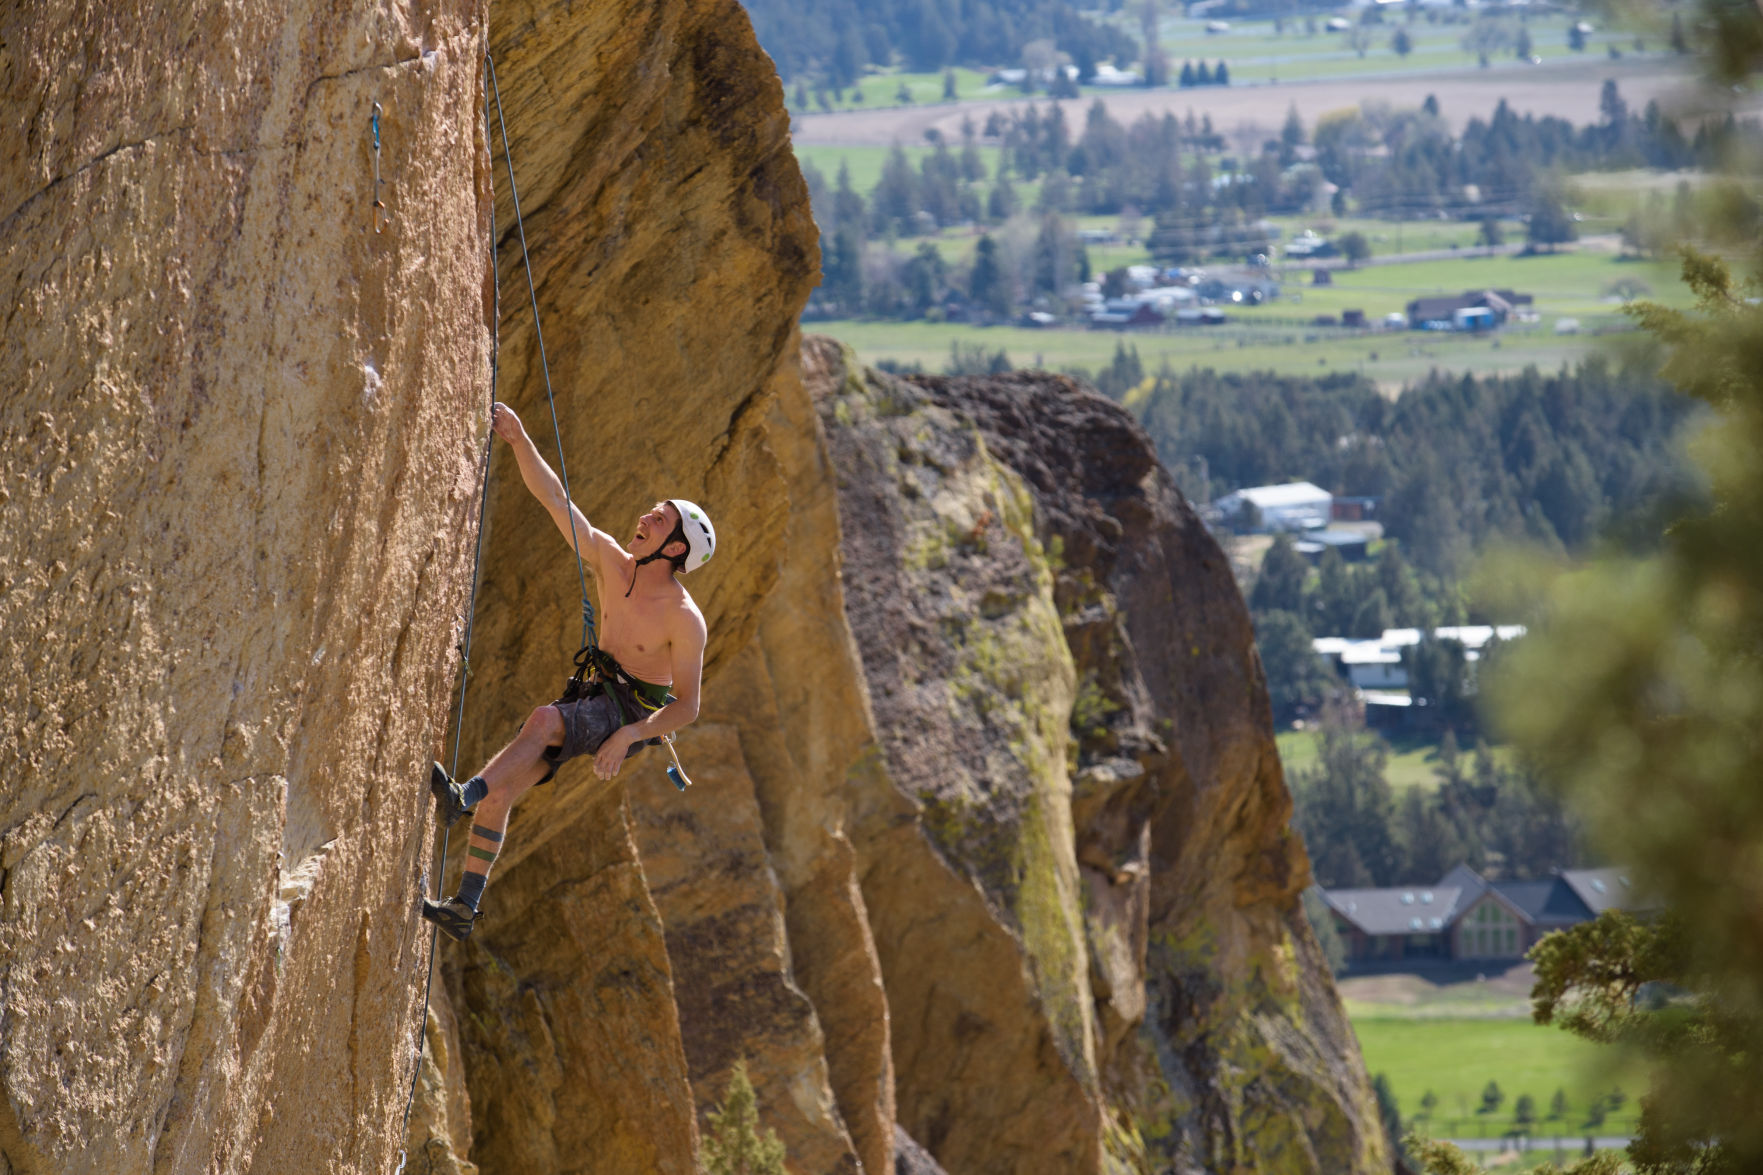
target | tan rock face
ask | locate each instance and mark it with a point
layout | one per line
(236, 432)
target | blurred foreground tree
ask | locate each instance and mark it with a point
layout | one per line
(1640, 691)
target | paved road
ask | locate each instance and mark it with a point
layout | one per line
(1570, 1144)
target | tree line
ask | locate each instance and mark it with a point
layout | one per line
(830, 42)
(1555, 459)
(1489, 814)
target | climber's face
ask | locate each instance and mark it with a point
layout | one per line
(653, 528)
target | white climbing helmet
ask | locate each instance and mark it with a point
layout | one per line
(700, 535)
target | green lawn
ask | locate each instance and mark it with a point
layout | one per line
(1413, 759)
(1456, 1058)
(1394, 358)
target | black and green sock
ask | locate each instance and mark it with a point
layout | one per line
(474, 790)
(471, 886)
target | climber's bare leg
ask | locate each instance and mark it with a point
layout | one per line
(518, 766)
(515, 769)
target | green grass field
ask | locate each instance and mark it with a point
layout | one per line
(1413, 759)
(1255, 52)
(1457, 1058)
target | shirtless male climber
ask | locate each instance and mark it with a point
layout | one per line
(652, 631)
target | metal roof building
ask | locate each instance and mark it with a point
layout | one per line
(1465, 916)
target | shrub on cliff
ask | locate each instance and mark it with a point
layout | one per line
(734, 1144)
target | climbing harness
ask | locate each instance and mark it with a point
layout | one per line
(379, 205)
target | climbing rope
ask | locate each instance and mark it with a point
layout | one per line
(544, 367)
(588, 635)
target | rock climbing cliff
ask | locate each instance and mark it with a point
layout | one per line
(237, 439)
(986, 865)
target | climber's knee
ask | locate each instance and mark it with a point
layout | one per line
(545, 726)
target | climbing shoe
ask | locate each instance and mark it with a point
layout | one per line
(450, 795)
(453, 916)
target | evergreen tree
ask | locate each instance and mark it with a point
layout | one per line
(1677, 684)
(1492, 1098)
(1002, 204)
(1291, 136)
(1524, 1112)
(1342, 807)
(733, 1145)
(988, 285)
(896, 197)
(1550, 222)
(1297, 679)
(1055, 255)
(923, 277)
(1280, 586)
(1123, 373)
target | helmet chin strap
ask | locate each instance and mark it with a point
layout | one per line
(676, 535)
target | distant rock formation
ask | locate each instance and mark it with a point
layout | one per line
(987, 863)
(1082, 880)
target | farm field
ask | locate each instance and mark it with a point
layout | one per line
(1257, 54)
(1579, 283)
(1565, 87)
(1413, 759)
(1393, 359)
(1456, 1059)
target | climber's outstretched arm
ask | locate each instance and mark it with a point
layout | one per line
(545, 486)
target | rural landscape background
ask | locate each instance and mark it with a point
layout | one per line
(1231, 216)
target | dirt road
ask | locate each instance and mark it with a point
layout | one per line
(1569, 89)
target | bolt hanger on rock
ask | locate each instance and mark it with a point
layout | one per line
(379, 206)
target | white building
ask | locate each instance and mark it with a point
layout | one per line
(1297, 505)
(1377, 664)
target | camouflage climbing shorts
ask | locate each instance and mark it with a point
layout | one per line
(586, 724)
